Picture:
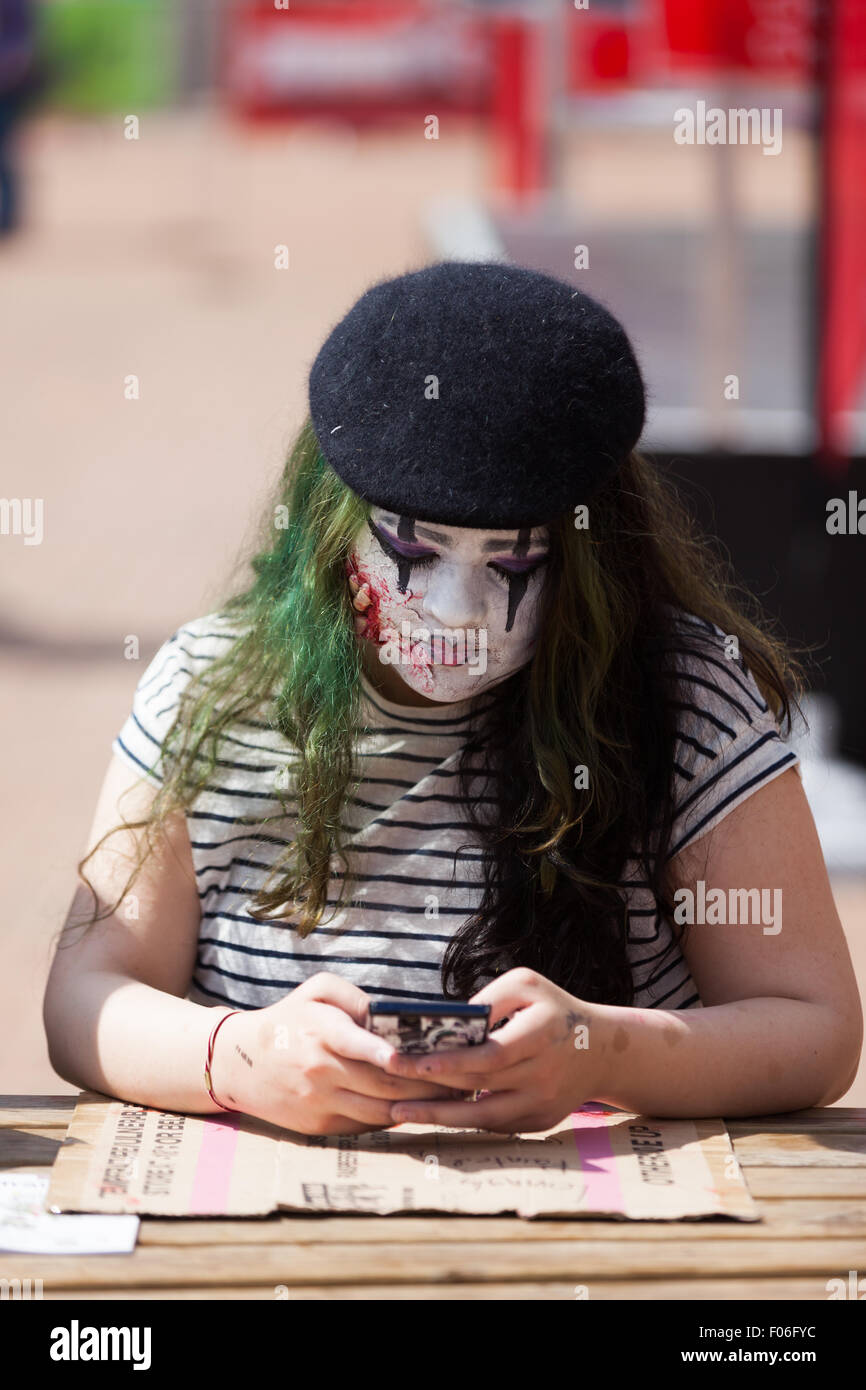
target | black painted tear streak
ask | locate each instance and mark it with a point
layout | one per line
(517, 583)
(406, 532)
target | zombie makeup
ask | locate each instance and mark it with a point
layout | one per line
(518, 578)
(406, 532)
(453, 609)
(403, 550)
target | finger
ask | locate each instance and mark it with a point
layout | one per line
(367, 1109)
(510, 1046)
(499, 1112)
(348, 1043)
(363, 598)
(340, 1035)
(523, 1076)
(511, 991)
(373, 1081)
(333, 989)
(521, 1036)
(354, 583)
(457, 1066)
(341, 1124)
(496, 1079)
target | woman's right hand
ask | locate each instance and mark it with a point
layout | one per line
(308, 1063)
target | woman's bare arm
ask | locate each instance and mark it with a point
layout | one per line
(114, 1012)
(117, 1021)
(782, 1023)
(781, 1029)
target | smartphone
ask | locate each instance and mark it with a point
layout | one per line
(413, 1027)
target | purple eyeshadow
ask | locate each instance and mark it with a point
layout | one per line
(517, 565)
(521, 566)
(404, 547)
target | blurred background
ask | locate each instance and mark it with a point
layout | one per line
(192, 192)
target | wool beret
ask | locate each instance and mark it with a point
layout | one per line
(477, 394)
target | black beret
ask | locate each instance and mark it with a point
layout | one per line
(537, 397)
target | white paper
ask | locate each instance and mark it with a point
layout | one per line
(27, 1229)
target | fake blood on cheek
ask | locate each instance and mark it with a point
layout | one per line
(380, 593)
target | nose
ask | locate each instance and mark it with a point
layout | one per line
(454, 596)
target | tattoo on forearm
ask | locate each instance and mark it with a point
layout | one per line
(248, 1060)
(573, 1019)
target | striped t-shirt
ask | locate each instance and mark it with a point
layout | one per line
(405, 823)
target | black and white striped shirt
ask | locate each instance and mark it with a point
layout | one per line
(406, 824)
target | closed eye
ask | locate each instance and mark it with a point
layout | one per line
(420, 558)
(518, 567)
(399, 550)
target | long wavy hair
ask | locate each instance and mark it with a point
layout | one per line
(598, 694)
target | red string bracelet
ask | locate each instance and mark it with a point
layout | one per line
(208, 1081)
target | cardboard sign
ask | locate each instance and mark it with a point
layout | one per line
(599, 1161)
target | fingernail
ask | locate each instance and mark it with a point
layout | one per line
(384, 1055)
(401, 1113)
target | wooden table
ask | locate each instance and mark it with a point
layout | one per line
(807, 1171)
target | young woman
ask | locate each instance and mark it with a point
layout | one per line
(488, 723)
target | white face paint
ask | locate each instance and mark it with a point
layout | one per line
(450, 609)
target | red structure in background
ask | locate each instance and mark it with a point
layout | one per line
(774, 37)
(842, 264)
(520, 109)
(362, 61)
(367, 60)
(823, 43)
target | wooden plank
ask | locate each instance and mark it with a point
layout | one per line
(790, 1220)
(773, 1184)
(837, 1121)
(582, 1261)
(668, 1290)
(36, 1110)
(826, 1150)
(23, 1148)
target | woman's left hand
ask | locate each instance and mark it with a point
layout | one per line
(538, 1067)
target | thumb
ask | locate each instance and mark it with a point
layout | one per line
(326, 988)
(504, 996)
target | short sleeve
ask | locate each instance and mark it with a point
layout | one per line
(728, 742)
(187, 653)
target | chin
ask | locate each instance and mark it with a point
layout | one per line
(449, 684)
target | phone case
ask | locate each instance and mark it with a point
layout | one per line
(429, 1027)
